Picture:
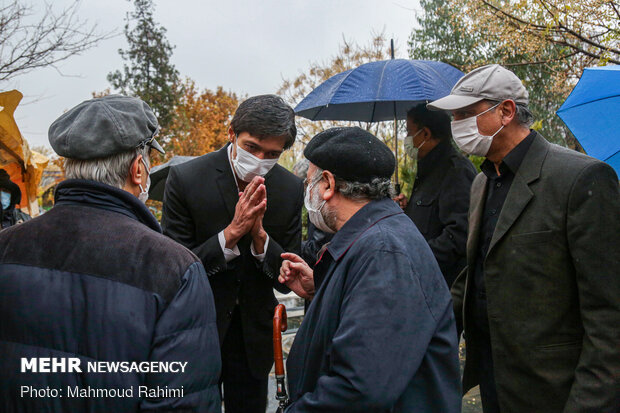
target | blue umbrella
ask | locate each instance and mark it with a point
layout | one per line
(591, 113)
(379, 91)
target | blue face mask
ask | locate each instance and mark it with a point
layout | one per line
(6, 199)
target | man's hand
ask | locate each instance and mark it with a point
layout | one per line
(251, 202)
(259, 236)
(401, 200)
(297, 275)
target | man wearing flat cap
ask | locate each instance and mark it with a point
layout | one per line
(540, 298)
(379, 334)
(95, 281)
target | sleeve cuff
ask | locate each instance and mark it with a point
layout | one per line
(260, 257)
(230, 254)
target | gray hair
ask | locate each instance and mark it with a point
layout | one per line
(111, 170)
(524, 116)
(522, 113)
(378, 188)
(300, 169)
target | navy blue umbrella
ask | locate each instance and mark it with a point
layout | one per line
(591, 113)
(379, 91)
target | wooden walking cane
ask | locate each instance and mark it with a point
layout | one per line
(279, 326)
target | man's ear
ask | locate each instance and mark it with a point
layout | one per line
(135, 175)
(508, 110)
(330, 185)
(426, 133)
(231, 135)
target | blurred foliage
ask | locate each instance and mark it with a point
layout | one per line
(466, 36)
(200, 120)
(349, 56)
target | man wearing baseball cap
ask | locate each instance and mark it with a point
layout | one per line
(95, 281)
(540, 298)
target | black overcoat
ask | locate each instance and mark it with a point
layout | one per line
(438, 205)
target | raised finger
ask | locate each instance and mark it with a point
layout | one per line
(258, 195)
(291, 257)
(259, 209)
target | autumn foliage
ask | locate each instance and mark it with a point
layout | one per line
(200, 121)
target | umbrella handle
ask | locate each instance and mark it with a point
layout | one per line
(279, 326)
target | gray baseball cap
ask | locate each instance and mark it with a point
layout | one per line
(491, 82)
(104, 126)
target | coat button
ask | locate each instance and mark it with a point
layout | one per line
(419, 203)
(230, 314)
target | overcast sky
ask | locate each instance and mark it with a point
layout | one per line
(244, 46)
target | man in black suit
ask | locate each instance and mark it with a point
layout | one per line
(237, 210)
(440, 197)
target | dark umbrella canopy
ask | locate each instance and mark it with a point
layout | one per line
(379, 91)
(591, 113)
(159, 175)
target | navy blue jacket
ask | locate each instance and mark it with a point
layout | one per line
(95, 279)
(380, 334)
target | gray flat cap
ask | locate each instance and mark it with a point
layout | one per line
(491, 82)
(104, 126)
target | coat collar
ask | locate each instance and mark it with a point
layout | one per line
(520, 193)
(360, 222)
(226, 182)
(429, 162)
(98, 195)
(517, 199)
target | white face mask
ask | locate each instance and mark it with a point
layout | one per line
(314, 210)
(247, 166)
(144, 192)
(410, 147)
(467, 136)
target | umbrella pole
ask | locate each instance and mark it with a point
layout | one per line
(396, 184)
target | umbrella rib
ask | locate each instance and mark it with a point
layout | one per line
(612, 155)
(380, 83)
(563, 110)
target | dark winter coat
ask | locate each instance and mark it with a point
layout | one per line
(95, 279)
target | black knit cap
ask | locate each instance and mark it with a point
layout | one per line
(352, 154)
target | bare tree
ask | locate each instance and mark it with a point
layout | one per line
(28, 42)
